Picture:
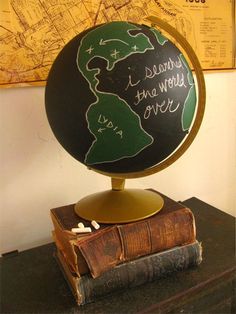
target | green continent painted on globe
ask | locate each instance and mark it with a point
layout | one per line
(191, 99)
(116, 127)
(159, 37)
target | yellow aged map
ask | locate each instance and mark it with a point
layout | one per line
(32, 32)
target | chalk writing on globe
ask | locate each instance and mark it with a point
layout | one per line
(143, 89)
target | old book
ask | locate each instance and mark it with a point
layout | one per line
(79, 267)
(113, 244)
(87, 289)
(66, 240)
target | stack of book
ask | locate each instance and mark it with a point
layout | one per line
(120, 256)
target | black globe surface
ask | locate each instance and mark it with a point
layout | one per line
(121, 98)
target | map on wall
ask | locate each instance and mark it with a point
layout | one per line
(33, 32)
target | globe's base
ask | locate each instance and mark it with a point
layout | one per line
(119, 206)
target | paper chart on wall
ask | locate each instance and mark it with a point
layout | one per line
(33, 32)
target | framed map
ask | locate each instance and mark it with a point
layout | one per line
(33, 32)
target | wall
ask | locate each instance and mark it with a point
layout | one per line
(37, 174)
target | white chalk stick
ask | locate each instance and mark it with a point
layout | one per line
(95, 224)
(80, 225)
(81, 230)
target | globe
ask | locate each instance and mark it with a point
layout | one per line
(121, 98)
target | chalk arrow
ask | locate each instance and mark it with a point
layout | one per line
(103, 42)
(100, 130)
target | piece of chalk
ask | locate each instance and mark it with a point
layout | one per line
(81, 230)
(95, 224)
(80, 225)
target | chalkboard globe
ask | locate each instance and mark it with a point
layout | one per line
(121, 99)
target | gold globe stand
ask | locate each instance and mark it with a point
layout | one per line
(119, 205)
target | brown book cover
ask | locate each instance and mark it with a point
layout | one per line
(111, 245)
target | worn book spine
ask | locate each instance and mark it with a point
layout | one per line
(72, 256)
(129, 241)
(65, 241)
(131, 274)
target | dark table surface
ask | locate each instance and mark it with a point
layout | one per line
(31, 281)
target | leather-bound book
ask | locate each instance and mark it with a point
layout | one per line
(103, 249)
(131, 274)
